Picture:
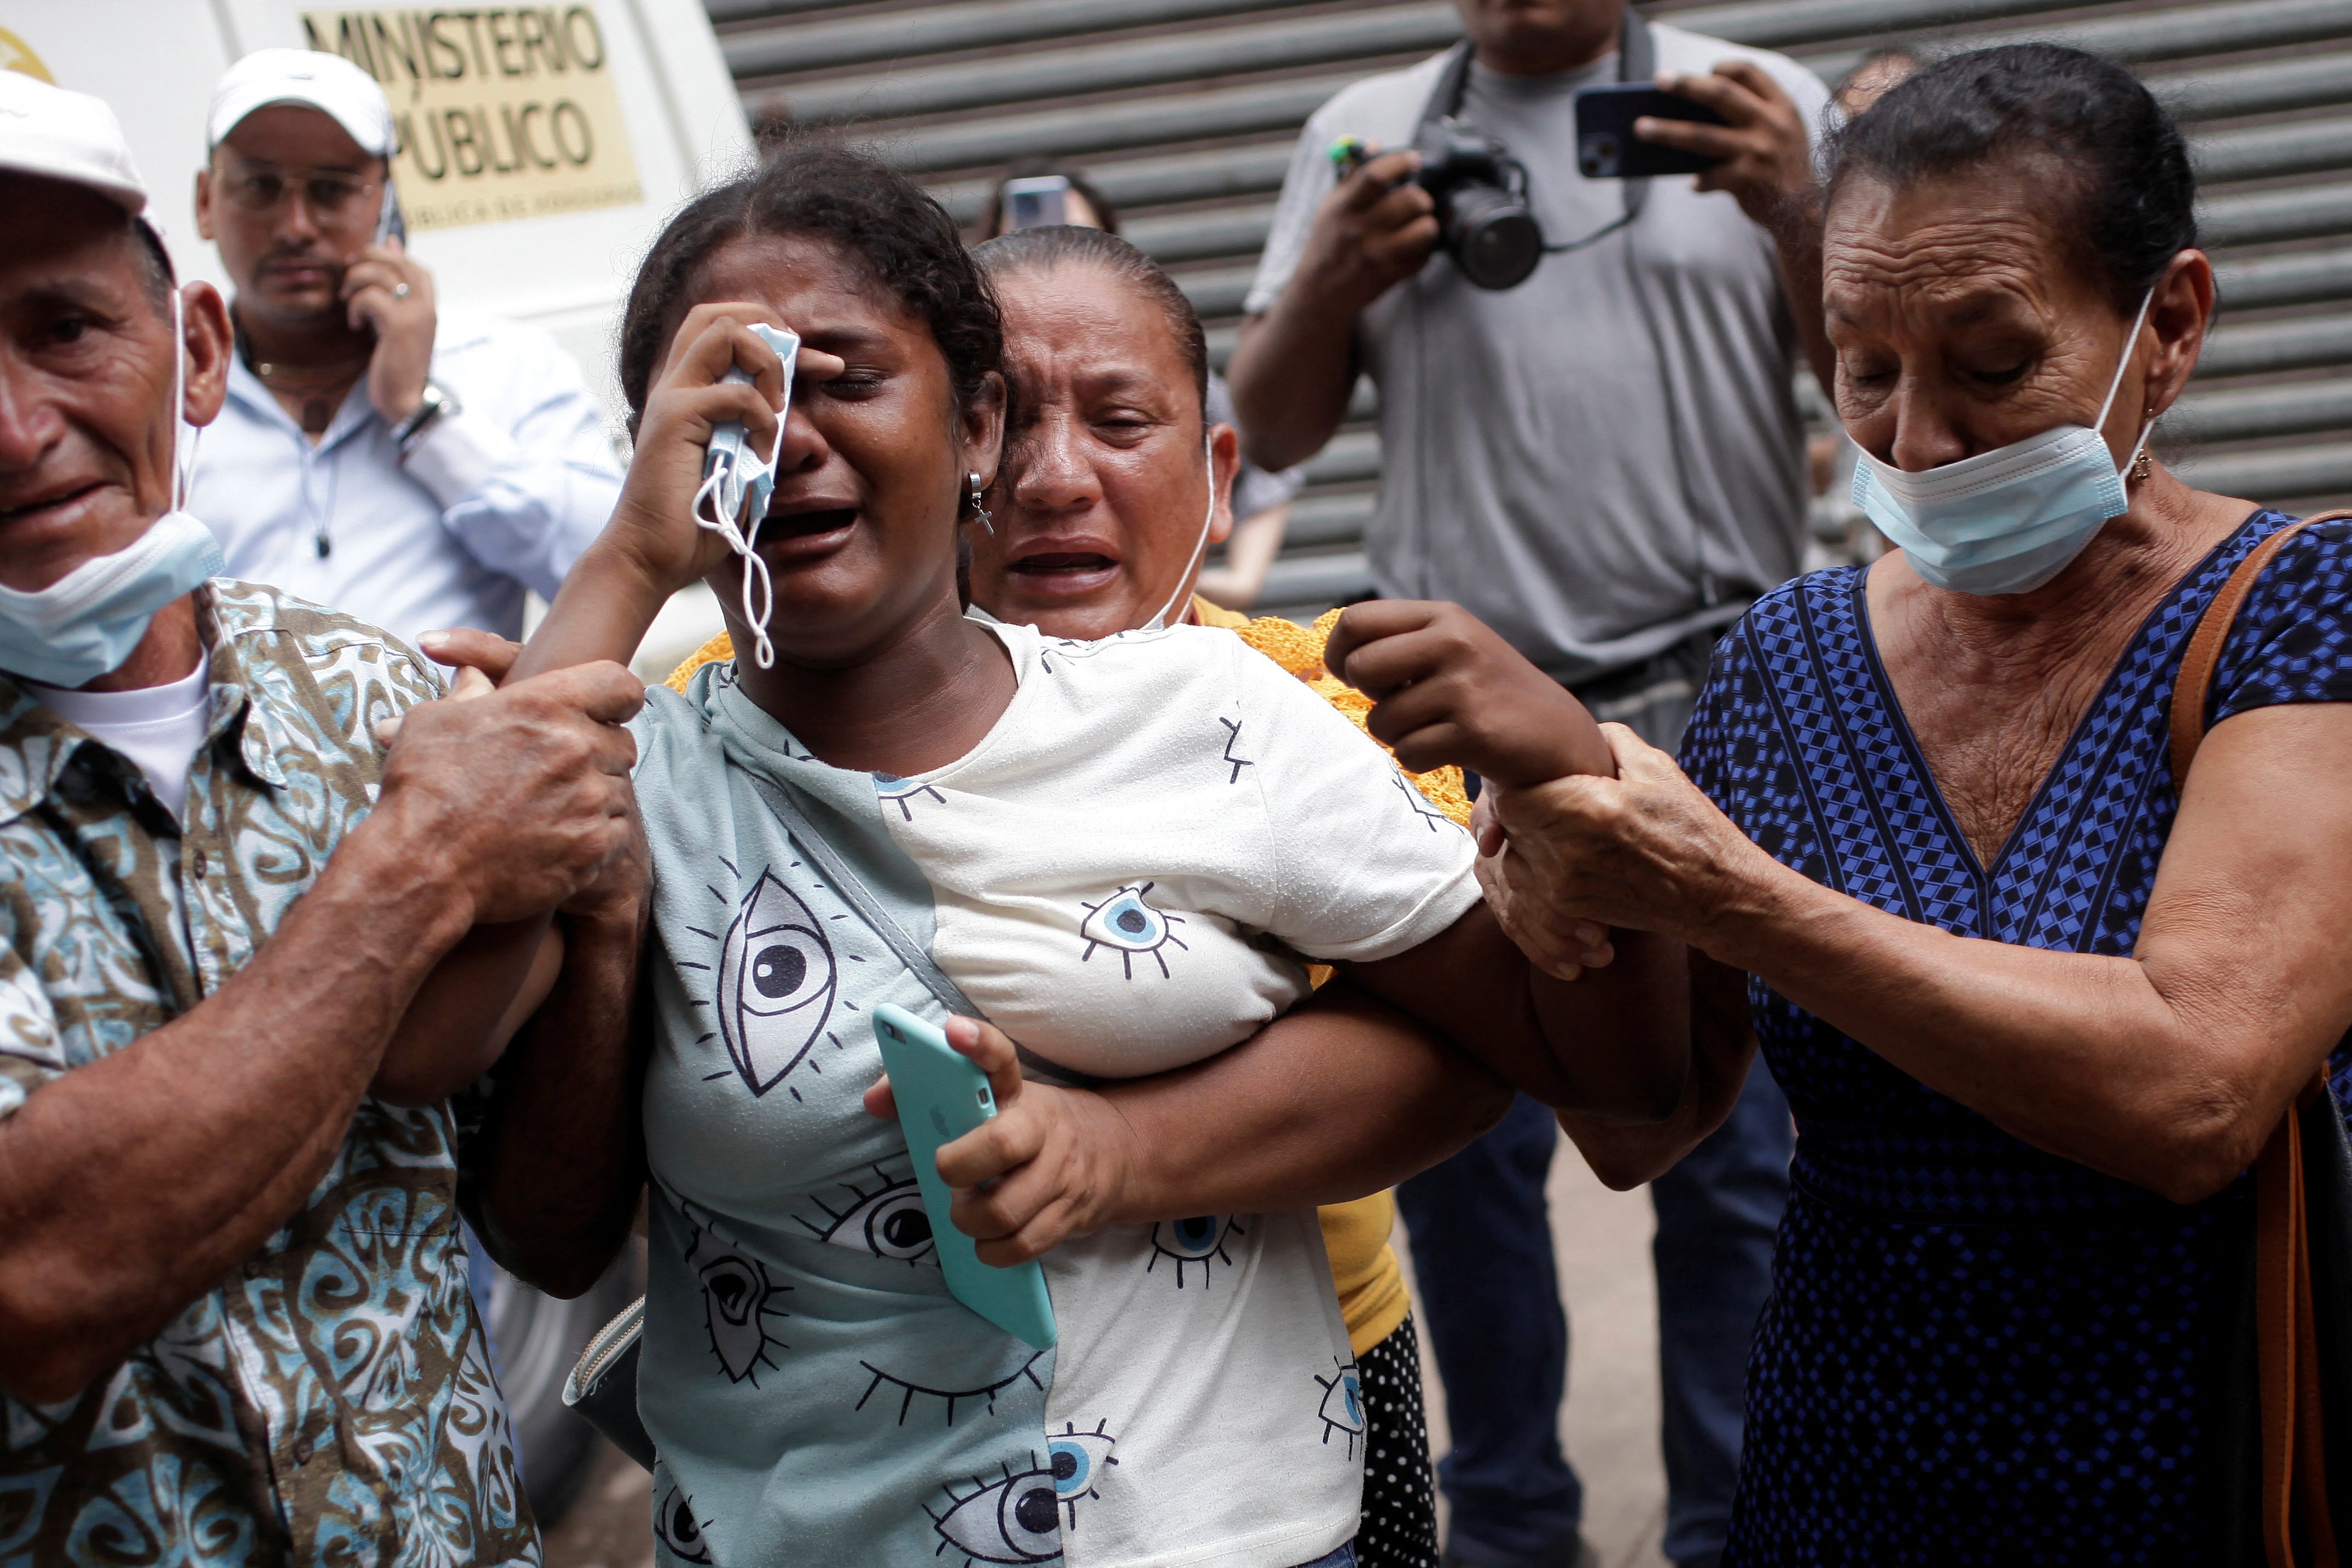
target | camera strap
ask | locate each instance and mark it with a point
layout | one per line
(1637, 60)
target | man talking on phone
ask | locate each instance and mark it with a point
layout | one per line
(1603, 460)
(413, 470)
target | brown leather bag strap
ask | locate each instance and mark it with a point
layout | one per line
(2285, 1318)
(2294, 1421)
(2194, 684)
(2310, 1409)
(2282, 1323)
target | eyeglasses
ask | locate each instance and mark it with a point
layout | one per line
(330, 197)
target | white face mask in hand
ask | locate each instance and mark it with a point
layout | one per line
(1200, 546)
(736, 482)
(88, 623)
(2007, 521)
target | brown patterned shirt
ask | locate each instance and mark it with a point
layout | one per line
(331, 1400)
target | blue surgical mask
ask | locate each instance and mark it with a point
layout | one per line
(2007, 521)
(87, 622)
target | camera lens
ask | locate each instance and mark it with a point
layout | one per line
(1493, 238)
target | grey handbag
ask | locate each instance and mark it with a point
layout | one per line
(603, 1388)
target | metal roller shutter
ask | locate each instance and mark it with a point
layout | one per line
(1184, 113)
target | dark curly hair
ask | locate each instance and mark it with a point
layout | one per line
(1043, 248)
(2116, 159)
(904, 242)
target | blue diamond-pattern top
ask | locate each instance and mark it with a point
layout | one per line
(1976, 1351)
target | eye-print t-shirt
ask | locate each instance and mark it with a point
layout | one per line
(1130, 867)
(815, 1394)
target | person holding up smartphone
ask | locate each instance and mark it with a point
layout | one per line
(417, 471)
(1605, 462)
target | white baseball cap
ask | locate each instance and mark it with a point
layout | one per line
(70, 136)
(311, 79)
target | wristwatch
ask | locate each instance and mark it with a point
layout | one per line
(438, 400)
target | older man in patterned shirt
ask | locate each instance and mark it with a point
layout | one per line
(237, 978)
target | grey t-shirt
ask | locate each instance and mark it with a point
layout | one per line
(1608, 458)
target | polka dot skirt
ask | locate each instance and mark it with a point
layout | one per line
(1400, 1522)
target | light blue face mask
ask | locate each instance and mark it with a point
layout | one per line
(88, 622)
(737, 485)
(2007, 521)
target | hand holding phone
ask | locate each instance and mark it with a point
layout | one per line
(1606, 147)
(1756, 141)
(941, 1095)
(385, 291)
(1733, 127)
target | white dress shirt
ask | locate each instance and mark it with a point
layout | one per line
(496, 500)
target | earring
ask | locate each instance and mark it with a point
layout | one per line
(2139, 468)
(980, 514)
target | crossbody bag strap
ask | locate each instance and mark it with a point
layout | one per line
(2286, 1316)
(2194, 685)
(861, 900)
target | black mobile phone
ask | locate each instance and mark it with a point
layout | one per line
(1036, 202)
(391, 222)
(1606, 147)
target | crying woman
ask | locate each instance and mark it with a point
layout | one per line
(1120, 854)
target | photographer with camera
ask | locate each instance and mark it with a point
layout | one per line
(1589, 439)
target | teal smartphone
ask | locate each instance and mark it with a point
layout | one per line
(942, 1096)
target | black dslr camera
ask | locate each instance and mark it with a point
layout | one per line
(1481, 191)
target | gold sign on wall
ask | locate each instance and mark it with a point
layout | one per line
(505, 111)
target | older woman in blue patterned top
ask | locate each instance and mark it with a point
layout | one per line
(2036, 1000)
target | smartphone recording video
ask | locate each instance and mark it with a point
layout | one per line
(1036, 202)
(1606, 147)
